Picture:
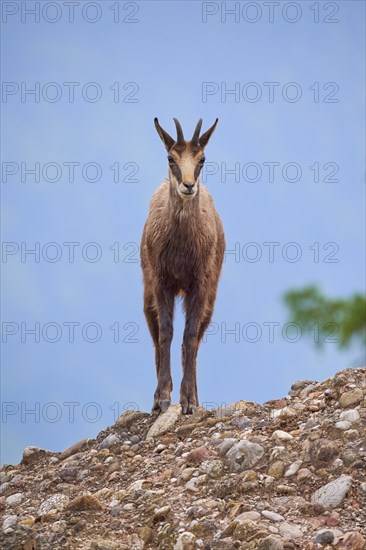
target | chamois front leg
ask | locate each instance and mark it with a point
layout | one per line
(165, 302)
(194, 305)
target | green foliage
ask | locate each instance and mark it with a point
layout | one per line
(344, 320)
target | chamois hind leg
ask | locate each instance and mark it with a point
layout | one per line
(152, 320)
(165, 304)
(194, 306)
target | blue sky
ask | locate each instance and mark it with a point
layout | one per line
(177, 59)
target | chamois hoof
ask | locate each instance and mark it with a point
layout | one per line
(188, 409)
(161, 405)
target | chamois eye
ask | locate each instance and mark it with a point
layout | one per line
(202, 160)
(170, 159)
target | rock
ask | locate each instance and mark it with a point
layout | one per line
(265, 477)
(146, 534)
(247, 529)
(162, 513)
(226, 445)
(73, 449)
(68, 474)
(343, 425)
(244, 455)
(57, 501)
(280, 435)
(350, 398)
(85, 503)
(293, 469)
(13, 500)
(8, 522)
(252, 515)
(32, 453)
(270, 543)
(322, 451)
(303, 474)
(130, 417)
(324, 537)
(276, 469)
(213, 468)
(165, 421)
(352, 540)
(198, 455)
(185, 541)
(332, 494)
(272, 515)
(290, 531)
(103, 544)
(352, 415)
(109, 441)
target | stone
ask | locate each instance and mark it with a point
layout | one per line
(322, 451)
(58, 501)
(32, 453)
(73, 449)
(198, 455)
(185, 541)
(162, 513)
(109, 441)
(343, 425)
(352, 415)
(13, 500)
(146, 534)
(244, 455)
(324, 537)
(246, 529)
(226, 445)
(293, 469)
(332, 494)
(290, 531)
(353, 540)
(276, 469)
(85, 503)
(280, 435)
(165, 421)
(213, 468)
(350, 398)
(252, 515)
(9, 521)
(270, 543)
(272, 515)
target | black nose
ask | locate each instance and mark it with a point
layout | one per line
(189, 186)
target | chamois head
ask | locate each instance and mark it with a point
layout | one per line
(185, 158)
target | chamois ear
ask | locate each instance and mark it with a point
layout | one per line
(164, 136)
(204, 139)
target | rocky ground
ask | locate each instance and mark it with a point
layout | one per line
(289, 474)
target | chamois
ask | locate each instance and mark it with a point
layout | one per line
(182, 250)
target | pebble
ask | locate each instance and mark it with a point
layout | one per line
(324, 537)
(109, 441)
(185, 541)
(272, 515)
(293, 469)
(350, 398)
(332, 494)
(57, 501)
(243, 455)
(290, 531)
(343, 425)
(8, 522)
(352, 415)
(165, 421)
(13, 500)
(282, 436)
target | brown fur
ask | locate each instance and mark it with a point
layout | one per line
(182, 251)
